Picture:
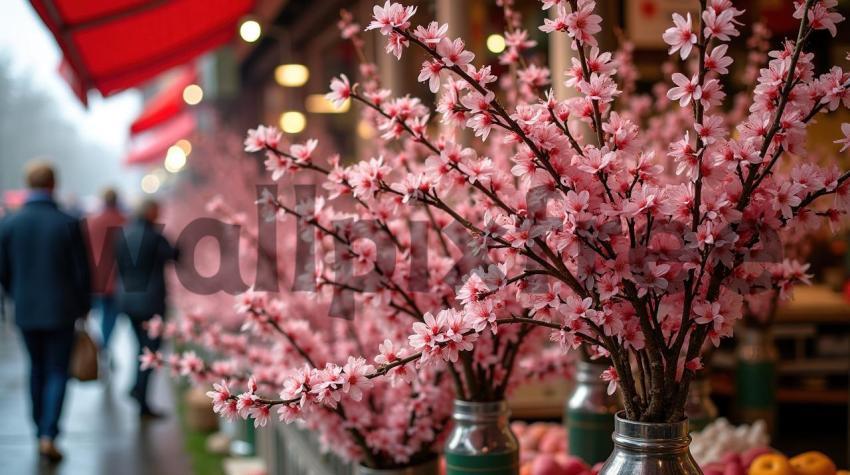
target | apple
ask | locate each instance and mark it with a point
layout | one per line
(545, 464)
(553, 441)
(571, 465)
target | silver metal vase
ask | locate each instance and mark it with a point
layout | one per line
(589, 414)
(431, 467)
(650, 449)
(481, 441)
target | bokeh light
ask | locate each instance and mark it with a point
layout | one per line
(193, 94)
(250, 31)
(292, 122)
(291, 75)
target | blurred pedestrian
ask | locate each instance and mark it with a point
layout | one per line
(45, 269)
(142, 253)
(103, 229)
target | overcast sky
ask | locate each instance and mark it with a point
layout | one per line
(103, 126)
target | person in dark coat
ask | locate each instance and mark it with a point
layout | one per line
(44, 268)
(142, 253)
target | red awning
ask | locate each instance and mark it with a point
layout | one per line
(152, 145)
(166, 104)
(117, 44)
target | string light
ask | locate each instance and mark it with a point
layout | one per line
(496, 43)
(250, 31)
(291, 75)
(292, 122)
(175, 159)
(150, 184)
(193, 94)
(185, 145)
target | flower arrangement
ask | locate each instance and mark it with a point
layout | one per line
(596, 239)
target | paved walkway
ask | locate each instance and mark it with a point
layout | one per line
(102, 433)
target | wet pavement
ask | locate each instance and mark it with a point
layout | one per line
(101, 430)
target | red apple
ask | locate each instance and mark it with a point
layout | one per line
(546, 464)
(734, 469)
(572, 465)
(553, 440)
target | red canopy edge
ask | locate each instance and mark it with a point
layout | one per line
(152, 145)
(166, 104)
(112, 46)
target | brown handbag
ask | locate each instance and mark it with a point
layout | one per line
(84, 356)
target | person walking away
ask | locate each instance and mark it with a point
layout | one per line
(44, 268)
(142, 253)
(103, 228)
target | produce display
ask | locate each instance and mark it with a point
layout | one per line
(721, 438)
(543, 451)
(719, 449)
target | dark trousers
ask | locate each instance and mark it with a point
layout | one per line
(108, 316)
(50, 354)
(140, 389)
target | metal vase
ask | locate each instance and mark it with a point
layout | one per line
(699, 408)
(650, 449)
(589, 414)
(481, 441)
(755, 376)
(431, 467)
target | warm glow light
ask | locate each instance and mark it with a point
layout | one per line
(193, 94)
(496, 43)
(292, 122)
(150, 184)
(319, 104)
(250, 31)
(365, 130)
(185, 145)
(291, 75)
(175, 159)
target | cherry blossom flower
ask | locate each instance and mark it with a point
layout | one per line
(261, 138)
(391, 15)
(453, 52)
(340, 90)
(681, 36)
(354, 380)
(821, 16)
(717, 61)
(433, 34)
(845, 142)
(719, 25)
(303, 152)
(150, 359)
(610, 375)
(582, 24)
(431, 72)
(600, 88)
(685, 90)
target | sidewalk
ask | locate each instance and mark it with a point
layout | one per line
(102, 433)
